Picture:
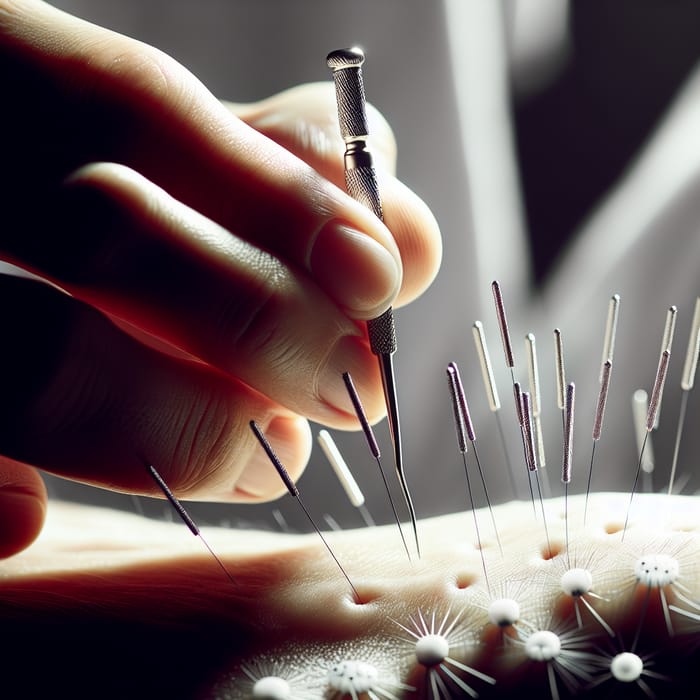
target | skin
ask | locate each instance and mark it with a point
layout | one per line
(87, 598)
(192, 245)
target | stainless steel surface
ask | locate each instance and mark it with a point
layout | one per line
(361, 182)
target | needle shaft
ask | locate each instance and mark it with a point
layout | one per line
(361, 183)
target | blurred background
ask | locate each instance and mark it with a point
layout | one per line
(553, 141)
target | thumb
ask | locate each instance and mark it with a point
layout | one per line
(22, 506)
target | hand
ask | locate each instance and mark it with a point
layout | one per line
(201, 274)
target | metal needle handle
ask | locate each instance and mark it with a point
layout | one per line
(360, 176)
(361, 183)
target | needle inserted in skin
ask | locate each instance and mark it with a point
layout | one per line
(345, 477)
(610, 333)
(486, 368)
(560, 373)
(598, 423)
(531, 457)
(503, 324)
(666, 343)
(510, 363)
(534, 381)
(567, 459)
(659, 382)
(657, 391)
(691, 358)
(643, 440)
(530, 453)
(361, 183)
(457, 388)
(180, 509)
(604, 381)
(460, 427)
(492, 393)
(687, 382)
(294, 491)
(373, 448)
(518, 396)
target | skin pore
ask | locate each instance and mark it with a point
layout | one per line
(142, 603)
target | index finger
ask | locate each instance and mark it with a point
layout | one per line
(116, 99)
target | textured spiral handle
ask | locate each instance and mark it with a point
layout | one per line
(349, 91)
(362, 185)
(382, 333)
(361, 182)
(360, 177)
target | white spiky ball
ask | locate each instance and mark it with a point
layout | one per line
(504, 612)
(543, 645)
(272, 688)
(353, 677)
(432, 649)
(576, 582)
(656, 570)
(626, 667)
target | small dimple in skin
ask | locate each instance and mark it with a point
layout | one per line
(300, 600)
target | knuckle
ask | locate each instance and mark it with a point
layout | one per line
(136, 78)
(95, 224)
(208, 431)
(253, 321)
(143, 68)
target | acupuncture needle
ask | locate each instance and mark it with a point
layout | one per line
(687, 382)
(518, 396)
(180, 509)
(345, 477)
(461, 410)
(610, 332)
(604, 384)
(457, 396)
(640, 409)
(659, 381)
(503, 327)
(534, 381)
(666, 343)
(568, 457)
(373, 447)
(598, 423)
(560, 375)
(294, 492)
(510, 363)
(531, 457)
(361, 183)
(492, 394)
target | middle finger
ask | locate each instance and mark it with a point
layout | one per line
(122, 244)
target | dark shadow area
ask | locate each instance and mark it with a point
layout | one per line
(576, 138)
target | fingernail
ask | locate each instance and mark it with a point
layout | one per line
(260, 479)
(359, 273)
